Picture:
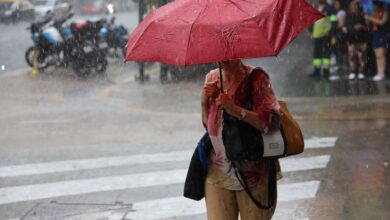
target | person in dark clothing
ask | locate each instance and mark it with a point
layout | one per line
(338, 38)
(357, 37)
(380, 35)
(320, 33)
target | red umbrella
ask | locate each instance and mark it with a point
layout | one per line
(187, 32)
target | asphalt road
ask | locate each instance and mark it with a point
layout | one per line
(103, 139)
(107, 139)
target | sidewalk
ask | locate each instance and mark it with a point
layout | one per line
(326, 106)
(69, 125)
(341, 108)
(323, 100)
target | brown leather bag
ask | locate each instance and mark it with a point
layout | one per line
(292, 132)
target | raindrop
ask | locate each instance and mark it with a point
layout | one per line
(366, 166)
(2, 67)
(386, 164)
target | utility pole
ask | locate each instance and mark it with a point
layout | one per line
(163, 67)
(141, 13)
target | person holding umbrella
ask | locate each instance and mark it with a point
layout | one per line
(225, 197)
(191, 32)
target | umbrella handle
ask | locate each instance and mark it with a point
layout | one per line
(221, 82)
(220, 76)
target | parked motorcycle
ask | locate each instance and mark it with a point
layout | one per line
(117, 36)
(48, 43)
(73, 46)
(87, 55)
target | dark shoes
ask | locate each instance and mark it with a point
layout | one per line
(326, 73)
(315, 74)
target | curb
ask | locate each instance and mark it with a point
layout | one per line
(340, 108)
(14, 73)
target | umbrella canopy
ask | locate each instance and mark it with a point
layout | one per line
(187, 32)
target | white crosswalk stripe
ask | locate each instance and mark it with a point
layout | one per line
(163, 208)
(75, 165)
(309, 163)
(318, 142)
(150, 208)
(75, 187)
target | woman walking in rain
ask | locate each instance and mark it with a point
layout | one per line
(212, 31)
(225, 196)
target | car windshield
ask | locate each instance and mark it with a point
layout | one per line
(43, 2)
(5, 5)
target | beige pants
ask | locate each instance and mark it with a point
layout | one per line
(223, 204)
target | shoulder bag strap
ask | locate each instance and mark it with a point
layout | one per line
(272, 162)
(249, 86)
(271, 185)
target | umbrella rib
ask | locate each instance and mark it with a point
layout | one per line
(237, 6)
(139, 37)
(268, 42)
(189, 35)
(251, 17)
(262, 34)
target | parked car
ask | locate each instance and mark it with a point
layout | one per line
(56, 7)
(92, 6)
(14, 10)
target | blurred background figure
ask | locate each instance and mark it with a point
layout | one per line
(320, 33)
(16, 10)
(357, 37)
(338, 38)
(379, 30)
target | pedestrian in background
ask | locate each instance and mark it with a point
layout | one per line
(378, 24)
(357, 37)
(320, 33)
(338, 39)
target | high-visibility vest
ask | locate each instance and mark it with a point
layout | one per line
(333, 18)
(322, 27)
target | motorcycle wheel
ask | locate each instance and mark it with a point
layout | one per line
(101, 64)
(29, 56)
(81, 69)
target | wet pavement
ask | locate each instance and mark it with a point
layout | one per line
(100, 140)
(74, 211)
(104, 139)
